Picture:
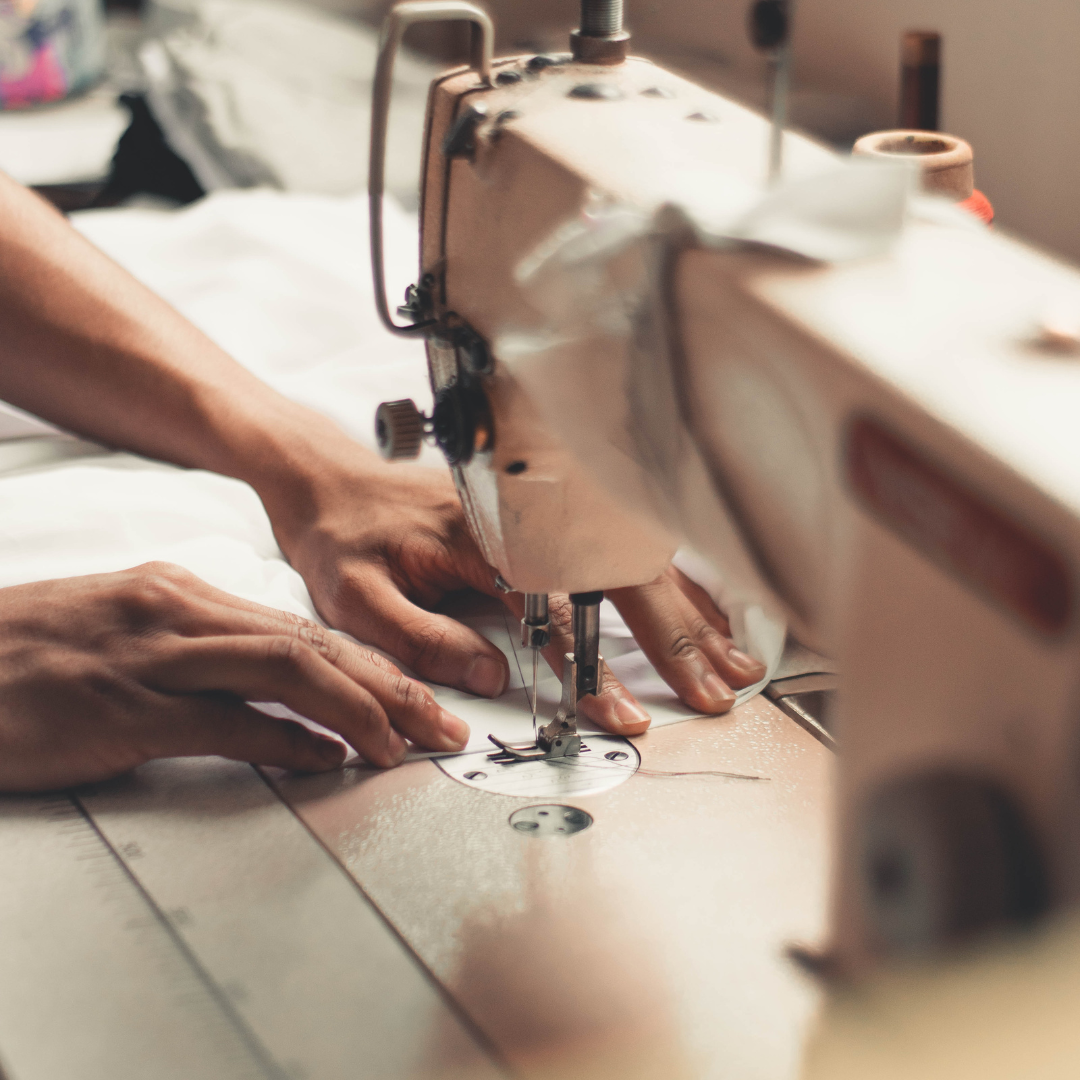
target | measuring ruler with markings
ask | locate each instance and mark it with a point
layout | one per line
(183, 923)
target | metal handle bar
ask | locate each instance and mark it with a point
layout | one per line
(398, 20)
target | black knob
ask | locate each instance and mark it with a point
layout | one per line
(461, 421)
(769, 24)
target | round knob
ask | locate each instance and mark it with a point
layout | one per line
(399, 429)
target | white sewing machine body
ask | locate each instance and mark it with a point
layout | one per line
(893, 446)
(900, 454)
(540, 158)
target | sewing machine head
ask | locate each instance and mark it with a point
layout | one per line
(515, 150)
(882, 448)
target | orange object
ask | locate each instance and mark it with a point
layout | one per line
(979, 205)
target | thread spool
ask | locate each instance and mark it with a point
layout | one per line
(946, 164)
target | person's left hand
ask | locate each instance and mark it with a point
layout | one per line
(381, 544)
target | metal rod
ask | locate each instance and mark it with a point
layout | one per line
(400, 18)
(586, 627)
(920, 80)
(536, 658)
(536, 609)
(781, 92)
(601, 18)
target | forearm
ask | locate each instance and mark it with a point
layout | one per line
(85, 345)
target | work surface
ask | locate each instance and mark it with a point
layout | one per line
(201, 919)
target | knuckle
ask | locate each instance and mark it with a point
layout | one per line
(156, 589)
(290, 617)
(410, 695)
(709, 637)
(377, 660)
(316, 637)
(682, 646)
(285, 651)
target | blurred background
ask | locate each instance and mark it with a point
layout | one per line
(219, 93)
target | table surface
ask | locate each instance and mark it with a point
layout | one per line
(201, 917)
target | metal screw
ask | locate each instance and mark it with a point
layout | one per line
(538, 63)
(476, 775)
(599, 18)
(616, 755)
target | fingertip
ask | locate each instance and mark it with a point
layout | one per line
(745, 670)
(617, 711)
(632, 718)
(720, 697)
(454, 730)
(396, 748)
(330, 752)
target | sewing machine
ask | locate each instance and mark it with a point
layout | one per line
(202, 918)
(881, 450)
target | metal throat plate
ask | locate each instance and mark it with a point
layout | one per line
(605, 762)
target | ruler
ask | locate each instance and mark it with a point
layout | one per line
(182, 922)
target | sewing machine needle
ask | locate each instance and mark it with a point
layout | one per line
(535, 653)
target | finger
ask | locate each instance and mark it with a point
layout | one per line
(408, 704)
(739, 669)
(701, 600)
(368, 706)
(683, 647)
(233, 730)
(434, 646)
(282, 669)
(614, 709)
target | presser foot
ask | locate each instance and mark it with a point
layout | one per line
(559, 738)
(508, 754)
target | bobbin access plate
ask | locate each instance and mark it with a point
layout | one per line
(605, 762)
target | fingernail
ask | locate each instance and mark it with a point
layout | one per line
(396, 748)
(455, 730)
(485, 677)
(630, 714)
(721, 696)
(746, 663)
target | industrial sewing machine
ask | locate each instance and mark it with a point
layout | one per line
(834, 438)
(883, 450)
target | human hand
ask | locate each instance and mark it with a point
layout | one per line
(99, 674)
(379, 545)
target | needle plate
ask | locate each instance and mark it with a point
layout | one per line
(605, 762)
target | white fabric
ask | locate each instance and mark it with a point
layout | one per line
(282, 282)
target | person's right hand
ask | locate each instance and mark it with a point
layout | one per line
(99, 674)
